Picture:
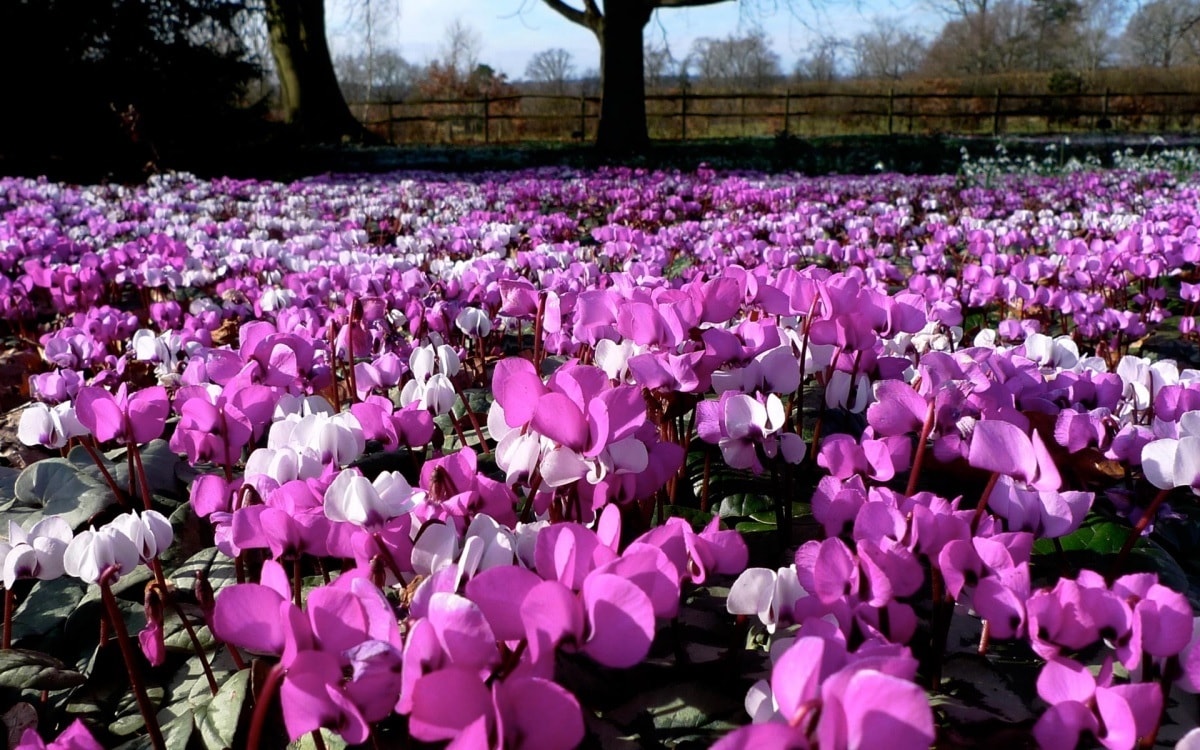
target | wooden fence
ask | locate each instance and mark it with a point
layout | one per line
(685, 115)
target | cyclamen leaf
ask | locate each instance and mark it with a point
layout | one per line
(33, 670)
(218, 722)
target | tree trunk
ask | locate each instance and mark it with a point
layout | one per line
(311, 99)
(622, 128)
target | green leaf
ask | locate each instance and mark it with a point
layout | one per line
(54, 487)
(755, 527)
(47, 607)
(689, 709)
(696, 518)
(744, 505)
(8, 486)
(212, 563)
(1096, 535)
(974, 690)
(218, 721)
(33, 670)
(332, 742)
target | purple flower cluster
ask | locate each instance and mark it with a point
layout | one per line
(531, 356)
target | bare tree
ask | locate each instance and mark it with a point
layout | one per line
(822, 66)
(660, 65)
(552, 68)
(388, 76)
(1095, 42)
(461, 44)
(887, 50)
(736, 62)
(995, 36)
(1161, 33)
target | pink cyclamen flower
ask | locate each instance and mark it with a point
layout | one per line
(74, 737)
(120, 417)
(1116, 716)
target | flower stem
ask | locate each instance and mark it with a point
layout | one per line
(122, 498)
(919, 459)
(471, 415)
(143, 483)
(1136, 534)
(262, 704)
(139, 690)
(10, 601)
(983, 501)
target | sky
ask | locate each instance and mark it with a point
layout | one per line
(512, 31)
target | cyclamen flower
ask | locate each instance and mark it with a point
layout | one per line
(1170, 463)
(742, 426)
(91, 553)
(37, 553)
(74, 737)
(120, 417)
(821, 694)
(1116, 716)
(50, 426)
(353, 498)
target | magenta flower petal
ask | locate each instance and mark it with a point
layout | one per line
(1002, 447)
(567, 552)
(763, 737)
(552, 614)
(499, 592)
(247, 615)
(1064, 680)
(517, 388)
(559, 418)
(148, 410)
(878, 705)
(620, 618)
(446, 702)
(462, 630)
(797, 676)
(98, 411)
(539, 714)
(1062, 724)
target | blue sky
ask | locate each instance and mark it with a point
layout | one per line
(512, 31)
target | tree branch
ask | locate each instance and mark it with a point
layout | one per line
(685, 3)
(585, 18)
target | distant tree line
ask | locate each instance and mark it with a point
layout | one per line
(146, 81)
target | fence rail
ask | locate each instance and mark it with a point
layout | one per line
(684, 115)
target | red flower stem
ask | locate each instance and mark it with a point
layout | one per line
(297, 582)
(237, 658)
(262, 704)
(985, 638)
(534, 484)
(166, 594)
(129, 461)
(919, 459)
(318, 740)
(537, 334)
(144, 484)
(10, 602)
(458, 430)
(388, 560)
(983, 501)
(337, 399)
(139, 690)
(1119, 566)
(471, 416)
(350, 354)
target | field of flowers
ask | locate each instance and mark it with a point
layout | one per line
(624, 458)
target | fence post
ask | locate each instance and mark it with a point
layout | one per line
(996, 115)
(391, 124)
(787, 110)
(487, 120)
(743, 115)
(582, 117)
(1104, 108)
(891, 108)
(683, 114)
